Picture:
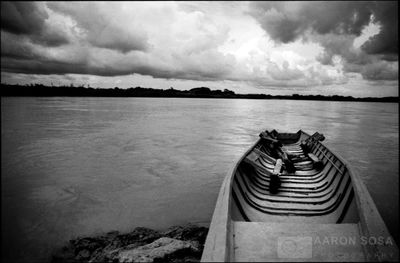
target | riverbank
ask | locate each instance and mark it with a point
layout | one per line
(39, 90)
(176, 244)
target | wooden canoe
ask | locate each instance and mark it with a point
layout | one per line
(318, 211)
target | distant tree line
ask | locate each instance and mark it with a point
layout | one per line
(40, 90)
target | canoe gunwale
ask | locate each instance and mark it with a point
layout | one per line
(217, 247)
(371, 223)
(220, 236)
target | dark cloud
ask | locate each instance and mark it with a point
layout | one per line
(387, 41)
(390, 57)
(288, 21)
(380, 72)
(29, 19)
(341, 45)
(106, 40)
(335, 25)
(54, 67)
(375, 70)
(275, 22)
(114, 38)
(38, 66)
(51, 37)
(22, 17)
(371, 67)
(14, 46)
(209, 66)
(105, 46)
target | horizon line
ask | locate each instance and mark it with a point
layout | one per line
(215, 90)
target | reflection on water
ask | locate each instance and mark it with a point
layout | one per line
(81, 166)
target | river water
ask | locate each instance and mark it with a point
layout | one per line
(81, 166)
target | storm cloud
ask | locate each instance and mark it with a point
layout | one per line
(312, 42)
(335, 26)
(288, 21)
(30, 19)
(27, 58)
(108, 41)
(386, 42)
(22, 18)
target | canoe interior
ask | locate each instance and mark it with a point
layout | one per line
(312, 194)
(321, 199)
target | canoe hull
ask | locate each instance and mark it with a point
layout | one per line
(320, 203)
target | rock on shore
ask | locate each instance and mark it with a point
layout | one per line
(176, 244)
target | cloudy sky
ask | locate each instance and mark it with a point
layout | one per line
(345, 48)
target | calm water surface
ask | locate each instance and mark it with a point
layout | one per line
(82, 166)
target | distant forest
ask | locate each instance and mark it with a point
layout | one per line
(39, 90)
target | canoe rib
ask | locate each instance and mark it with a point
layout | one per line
(327, 195)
